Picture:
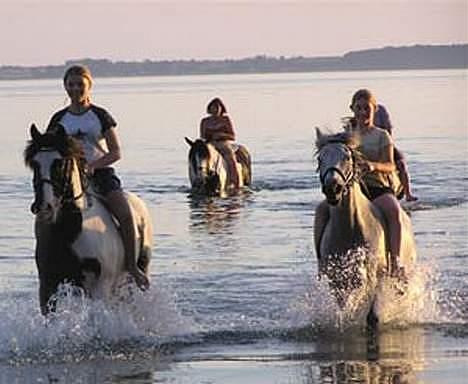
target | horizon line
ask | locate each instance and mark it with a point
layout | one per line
(255, 56)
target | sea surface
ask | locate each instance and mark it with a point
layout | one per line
(234, 295)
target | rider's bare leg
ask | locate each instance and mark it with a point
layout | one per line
(120, 208)
(230, 157)
(391, 209)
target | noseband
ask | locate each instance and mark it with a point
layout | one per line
(347, 179)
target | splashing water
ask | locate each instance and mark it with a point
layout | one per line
(84, 329)
(420, 302)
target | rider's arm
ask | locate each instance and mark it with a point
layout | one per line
(385, 166)
(386, 163)
(204, 132)
(224, 129)
(114, 154)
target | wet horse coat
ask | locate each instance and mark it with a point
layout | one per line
(208, 171)
(77, 239)
(354, 223)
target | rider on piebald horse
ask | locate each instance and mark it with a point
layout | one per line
(217, 129)
(95, 128)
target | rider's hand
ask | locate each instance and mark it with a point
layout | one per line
(367, 167)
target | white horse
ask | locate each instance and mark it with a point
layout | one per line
(208, 171)
(347, 223)
(77, 239)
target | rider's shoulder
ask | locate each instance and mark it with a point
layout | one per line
(383, 135)
(105, 118)
(98, 109)
(56, 118)
(380, 131)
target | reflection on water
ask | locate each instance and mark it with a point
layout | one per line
(216, 215)
(390, 356)
(243, 266)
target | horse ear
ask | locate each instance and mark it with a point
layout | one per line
(318, 133)
(188, 141)
(34, 132)
(59, 133)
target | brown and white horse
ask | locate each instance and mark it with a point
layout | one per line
(208, 171)
(77, 239)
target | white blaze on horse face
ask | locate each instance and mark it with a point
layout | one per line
(199, 171)
(49, 204)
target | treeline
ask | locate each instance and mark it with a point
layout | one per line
(389, 58)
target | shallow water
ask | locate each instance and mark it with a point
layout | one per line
(234, 296)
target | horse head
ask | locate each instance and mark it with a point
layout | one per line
(58, 178)
(204, 178)
(337, 164)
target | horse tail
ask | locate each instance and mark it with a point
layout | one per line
(243, 157)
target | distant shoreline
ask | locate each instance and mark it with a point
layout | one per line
(388, 58)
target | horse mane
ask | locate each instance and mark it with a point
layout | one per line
(66, 145)
(200, 147)
(345, 137)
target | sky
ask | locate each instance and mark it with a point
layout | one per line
(42, 32)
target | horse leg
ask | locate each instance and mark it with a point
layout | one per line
(372, 319)
(243, 157)
(322, 215)
(45, 293)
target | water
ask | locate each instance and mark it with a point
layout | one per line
(234, 295)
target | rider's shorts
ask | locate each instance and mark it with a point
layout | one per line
(373, 192)
(104, 180)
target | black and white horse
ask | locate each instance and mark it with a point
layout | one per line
(77, 239)
(208, 171)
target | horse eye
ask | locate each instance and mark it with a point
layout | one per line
(34, 165)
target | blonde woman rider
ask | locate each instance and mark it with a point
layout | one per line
(376, 146)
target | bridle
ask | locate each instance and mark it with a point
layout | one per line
(348, 178)
(63, 191)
